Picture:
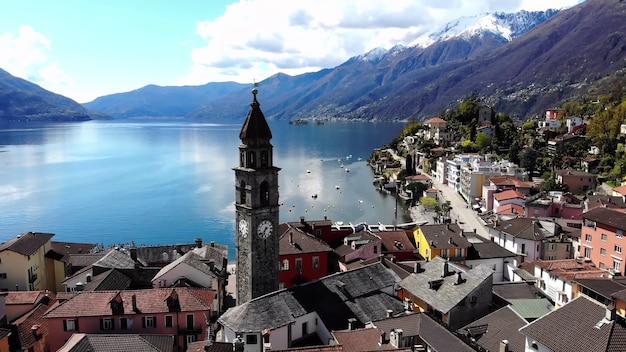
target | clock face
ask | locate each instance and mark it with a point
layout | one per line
(265, 229)
(243, 228)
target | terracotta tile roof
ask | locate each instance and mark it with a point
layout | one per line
(295, 241)
(97, 303)
(508, 194)
(362, 340)
(26, 243)
(439, 236)
(620, 189)
(420, 177)
(607, 216)
(586, 329)
(570, 269)
(24, 297)
(33, 321)
(510, 209)
(435, 120)
(395, 241)
(510, 181)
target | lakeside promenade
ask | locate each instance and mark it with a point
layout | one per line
(461, 214)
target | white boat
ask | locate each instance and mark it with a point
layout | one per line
(336, 186)
(347, 170)
(308, 171)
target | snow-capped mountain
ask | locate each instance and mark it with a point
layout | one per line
(505, 25)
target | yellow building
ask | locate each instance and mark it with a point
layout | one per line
(23, 263)
(445, 241)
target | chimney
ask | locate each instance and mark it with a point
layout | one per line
(211, 264)
(610, 312)
(213, 244)
(290, 237)
(133, 254)
(302, 219)
(417, 268)
(238, 344)
(134, 302)
(448, 226)
(446, 269)
(504, 346)
(351, 323)
(459, 279)
(396, 338)
(389, 313)
(198, 242)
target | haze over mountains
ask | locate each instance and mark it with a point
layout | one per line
(521, 63)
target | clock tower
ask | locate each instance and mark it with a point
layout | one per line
(256, 207)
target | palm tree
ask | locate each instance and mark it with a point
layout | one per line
(445, 210)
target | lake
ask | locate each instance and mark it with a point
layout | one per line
(166, 182)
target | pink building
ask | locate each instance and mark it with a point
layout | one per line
(577, 181)
(552, 114)
(563, 206)
(180, 312)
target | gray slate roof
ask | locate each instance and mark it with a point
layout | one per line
(524, 228)
(351, 294)
(449, 294)
(115, 260)
(488, 250)
(26, 243)
(503, 324)
(124, 343)
(578, 326)
(531, 308)
(191, 259)
(607, 216)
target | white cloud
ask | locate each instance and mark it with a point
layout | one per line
(255, 39)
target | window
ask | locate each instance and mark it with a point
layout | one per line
(617, 266)
(602, 251)
(551, 257)
(123, 323)
(587, 252)
(604, 237)
(551, 246)
(299, 264)
(618, 249)
(242, 193)
(149, 322)
(375, 249)
(284, 266)
(70, 325)
(106, 324)
(251, 339)
(588, 238)
(619, 233)
(169, 321)
(265, 193)
(305, 328)
(3, 276)
(264, 159)
(190, 339)
(316, 262)
(189, 321)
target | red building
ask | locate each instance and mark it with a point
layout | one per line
(303, 257)
(180, 312)
(322, 229)
(602, 239)
(397, 244)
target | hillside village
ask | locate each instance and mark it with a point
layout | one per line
(496, 260)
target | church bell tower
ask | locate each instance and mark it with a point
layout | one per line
(256, 207)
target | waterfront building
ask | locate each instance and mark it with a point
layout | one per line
(24, 264)
(303, 257)
(181, 312)
(256, 208)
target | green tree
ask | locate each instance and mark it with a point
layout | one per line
(483, 141)
(528, 160)
(428, 202)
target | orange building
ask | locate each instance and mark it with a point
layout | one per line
(602, 239)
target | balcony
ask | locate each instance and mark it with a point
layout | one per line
(32, 277)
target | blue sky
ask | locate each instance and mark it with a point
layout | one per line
(86, 49)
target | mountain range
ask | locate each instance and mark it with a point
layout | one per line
(520, 63)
